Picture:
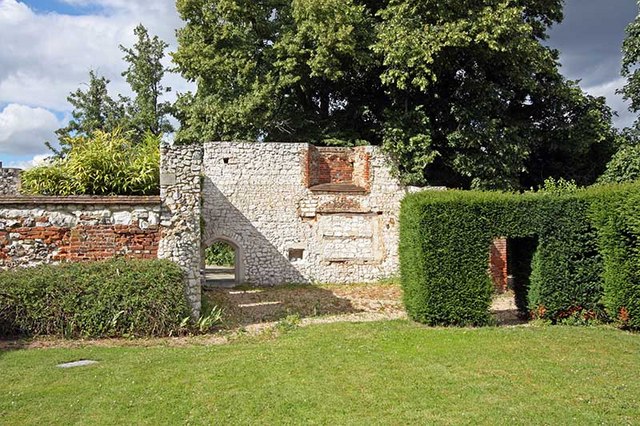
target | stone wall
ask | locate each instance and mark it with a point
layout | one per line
(9, 181)
(301, 214)
(36, 230)
(295, 214)
(180, 192)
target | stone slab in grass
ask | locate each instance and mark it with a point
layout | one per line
(80, 363)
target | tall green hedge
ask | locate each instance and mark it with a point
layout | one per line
(444, 251)
(102, 299)
(617, 216)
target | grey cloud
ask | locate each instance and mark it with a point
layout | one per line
(590, 42)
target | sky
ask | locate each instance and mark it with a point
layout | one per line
(49, 46)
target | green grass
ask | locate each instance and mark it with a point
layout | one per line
(379, 373)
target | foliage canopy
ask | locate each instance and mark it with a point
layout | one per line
(461, 93)
(625, 164)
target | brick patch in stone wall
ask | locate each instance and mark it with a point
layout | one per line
(32, 234)
(336, 166)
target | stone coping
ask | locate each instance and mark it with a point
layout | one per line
(79, 199)
(339, 187)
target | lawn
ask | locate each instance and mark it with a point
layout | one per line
(392, 372)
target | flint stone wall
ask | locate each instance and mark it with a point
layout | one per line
(180, 192)
(295, 214)
(9, 181)
(262, 199)
(38, 230)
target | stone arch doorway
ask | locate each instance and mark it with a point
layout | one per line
(223, 262)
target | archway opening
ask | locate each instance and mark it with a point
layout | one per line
(221, 264)
(510, 268)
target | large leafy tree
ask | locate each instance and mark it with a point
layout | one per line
(459, 92)
(630, 62)
(144, 74)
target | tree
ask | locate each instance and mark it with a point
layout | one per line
(93, 110)
(144, 74)
(461, 92)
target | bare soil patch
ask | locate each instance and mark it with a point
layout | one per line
(246, 306)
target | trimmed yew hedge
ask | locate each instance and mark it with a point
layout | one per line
(578, 251)
(98, 299)
(617, 217)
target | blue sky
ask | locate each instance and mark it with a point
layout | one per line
(49, 46)
(62, 7)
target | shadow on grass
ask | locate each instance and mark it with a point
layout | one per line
(504, 310)
(10, 344)
(244, 306)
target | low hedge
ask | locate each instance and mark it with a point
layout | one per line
(101, 299)
(577, 247)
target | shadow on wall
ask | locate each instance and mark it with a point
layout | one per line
(258, 261)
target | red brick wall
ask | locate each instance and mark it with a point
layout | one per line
(498, 264)
(336, 166)
(81, 243)
(76, 232)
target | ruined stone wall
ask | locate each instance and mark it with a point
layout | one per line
(9, 181)
(180, 192)
(263, 199)
(37, 230)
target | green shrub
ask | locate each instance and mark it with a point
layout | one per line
(444, 251)
(101, 299)
(624, 166)
(617, 216)
(103, 164)
(219, 254)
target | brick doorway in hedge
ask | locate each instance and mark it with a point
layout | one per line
(498, 264)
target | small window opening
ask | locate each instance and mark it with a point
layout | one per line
(225, 160)
(296, 255)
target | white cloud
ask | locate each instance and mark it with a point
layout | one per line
(37, 160)
(23, 130)
(45, 56)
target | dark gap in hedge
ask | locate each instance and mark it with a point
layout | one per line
(520, 252)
